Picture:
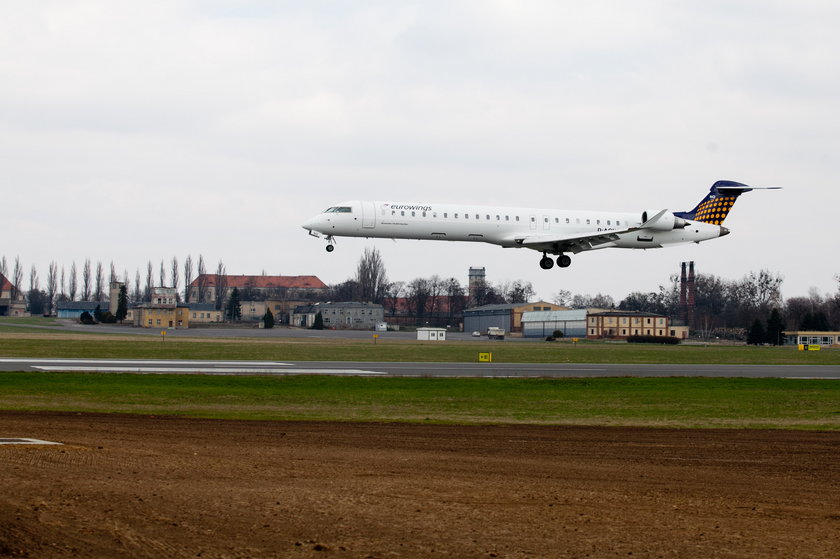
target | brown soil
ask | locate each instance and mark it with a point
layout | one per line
(124, 486)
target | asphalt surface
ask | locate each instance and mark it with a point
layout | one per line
(373, 368)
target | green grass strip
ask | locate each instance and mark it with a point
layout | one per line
(338, 349)
(653, 402)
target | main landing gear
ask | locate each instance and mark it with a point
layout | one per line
(547, 263)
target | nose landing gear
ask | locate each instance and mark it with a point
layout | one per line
(330, 243)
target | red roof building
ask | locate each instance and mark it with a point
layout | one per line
(257, 287)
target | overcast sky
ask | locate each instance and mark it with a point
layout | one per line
(137, 131)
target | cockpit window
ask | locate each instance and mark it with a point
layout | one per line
(339, 209)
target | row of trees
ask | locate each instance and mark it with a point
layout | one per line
(91, 282)
(723, 307)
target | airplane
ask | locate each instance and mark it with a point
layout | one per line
(550, 231)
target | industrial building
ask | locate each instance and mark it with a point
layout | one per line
(508, 317)
(600, 324)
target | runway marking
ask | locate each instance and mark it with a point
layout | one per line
(136, 361)
(811, 378)
(207, 371)
(26, 441)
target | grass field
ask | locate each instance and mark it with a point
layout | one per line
(17, 342)
(669, 402)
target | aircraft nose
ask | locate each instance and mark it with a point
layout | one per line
(310, 224)
(723, 231)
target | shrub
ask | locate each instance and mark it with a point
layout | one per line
(670, 340)
(86, 318)
(558, 334)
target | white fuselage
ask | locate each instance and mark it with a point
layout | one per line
(503, 226)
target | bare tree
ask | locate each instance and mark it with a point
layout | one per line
(221, 285)
(371, 280)
(417, 293)
(392, 296)
(17, 279)
(52, 286)
(188, 277)
(99, 289)
(202, 280)
(174, 273)
(517, 291)
(34, 281)
(3, 267)
(74, 285)
(150, 282)
(113, 276)
(63, 289)
(86, 281)
(138, 295)
(162, 274)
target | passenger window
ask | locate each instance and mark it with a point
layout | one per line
(517, 218)
(466, 216)
(498, 218)
(413, 214)
(598, 222)
(507, 218)
(587, 222)
(402, 213)
(445, 214)
(608, 222)
(488, 217)
(424, 214)
(567, 220)
(456, 216)
(476, 216)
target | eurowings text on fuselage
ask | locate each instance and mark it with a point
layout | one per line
(550, 231)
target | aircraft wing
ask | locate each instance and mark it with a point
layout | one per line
(569, 243)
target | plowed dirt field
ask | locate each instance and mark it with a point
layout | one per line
(139, 486)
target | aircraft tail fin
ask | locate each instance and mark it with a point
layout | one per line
(718, 202)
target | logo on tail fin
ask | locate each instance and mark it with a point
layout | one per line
(715, 206)
(714, 209)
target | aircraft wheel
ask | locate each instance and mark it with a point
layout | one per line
(546, 263)
(330, 248)
(563, 261)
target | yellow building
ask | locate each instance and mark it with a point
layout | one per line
(623, 324)
(163, 311)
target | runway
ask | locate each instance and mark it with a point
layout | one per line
(372, 368)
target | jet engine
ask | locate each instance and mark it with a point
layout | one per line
(662, 221)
